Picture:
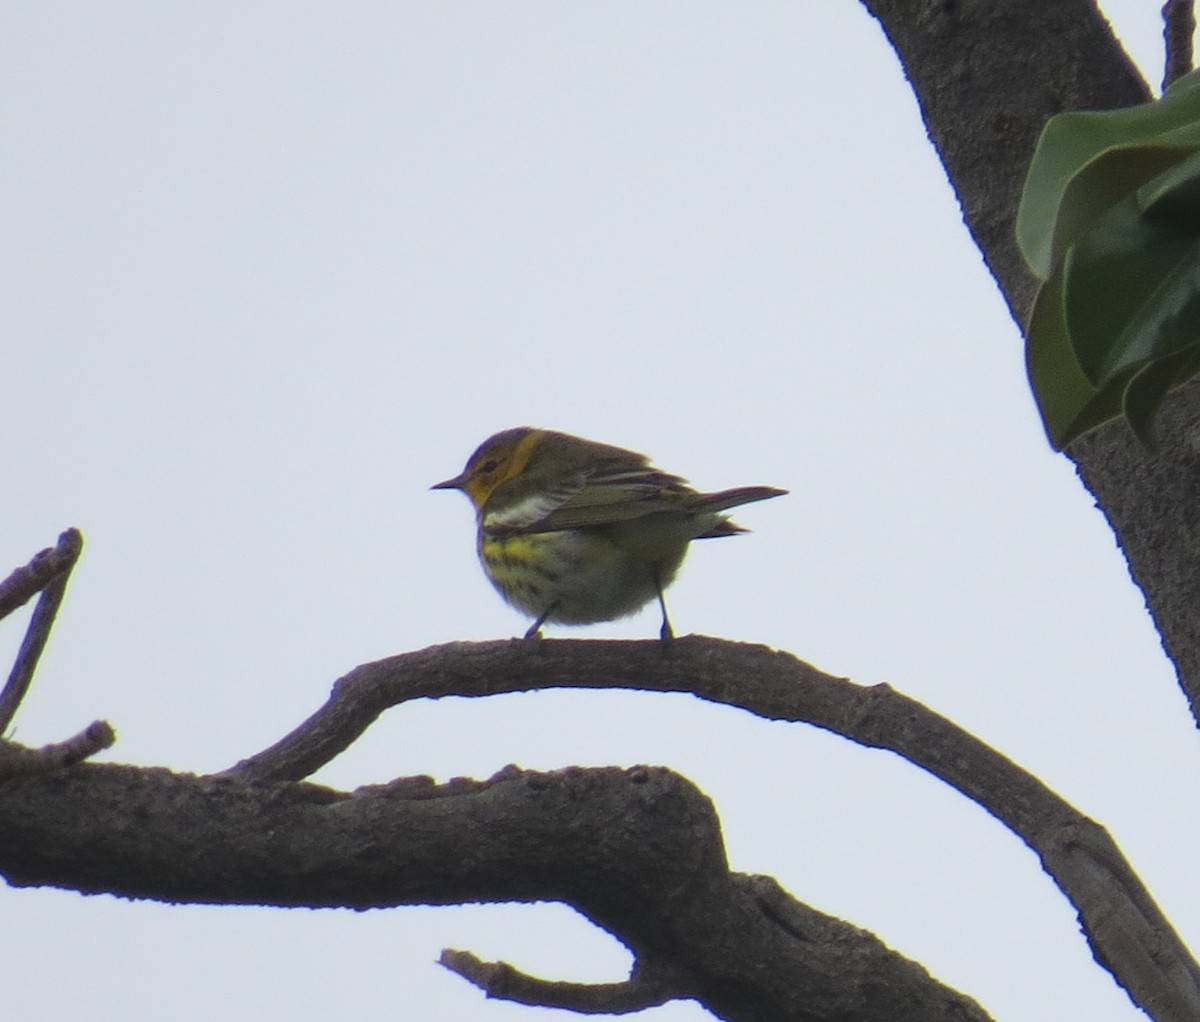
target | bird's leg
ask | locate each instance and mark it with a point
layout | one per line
(666, 632)
(535, 630)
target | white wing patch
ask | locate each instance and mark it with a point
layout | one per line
(529, 510)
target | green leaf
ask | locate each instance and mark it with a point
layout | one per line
(1069, 405)
(1131, 292)
(1119, 149)
(1184, 84)
(1048, 225)
(1150, 387)
(1174, 196)
(1110, 219)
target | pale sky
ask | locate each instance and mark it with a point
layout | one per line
(270, 270)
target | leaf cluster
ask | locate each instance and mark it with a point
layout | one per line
(1110, 221)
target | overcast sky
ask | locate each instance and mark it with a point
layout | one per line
(270, 270)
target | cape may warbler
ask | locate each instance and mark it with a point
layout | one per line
(573, 531)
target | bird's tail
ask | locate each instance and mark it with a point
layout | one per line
(724, 499)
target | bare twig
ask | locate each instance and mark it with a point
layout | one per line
(504, 982)
(1128, 933)
(1179, 27)
(18, 760)
(53, 583)
(26, 582)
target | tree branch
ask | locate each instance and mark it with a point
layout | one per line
(17, 760)
(24, 583)
(659, 880)
(47, 572)
(503, 981)
(1128, 933)
(1179, 28)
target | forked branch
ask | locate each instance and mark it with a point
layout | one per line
(46, 574)
(1128, 933)
(638, 851)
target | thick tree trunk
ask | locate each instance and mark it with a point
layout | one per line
(987, 75)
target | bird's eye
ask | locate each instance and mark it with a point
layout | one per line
(489, 466)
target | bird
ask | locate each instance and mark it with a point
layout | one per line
(571, 531)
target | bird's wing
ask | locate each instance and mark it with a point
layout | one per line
(528, 513)
(600, 495)
(625, 496)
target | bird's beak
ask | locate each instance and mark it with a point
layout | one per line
(449, 484)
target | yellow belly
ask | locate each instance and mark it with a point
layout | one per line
(584, 575)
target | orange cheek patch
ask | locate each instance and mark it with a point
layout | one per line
(480, 487)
